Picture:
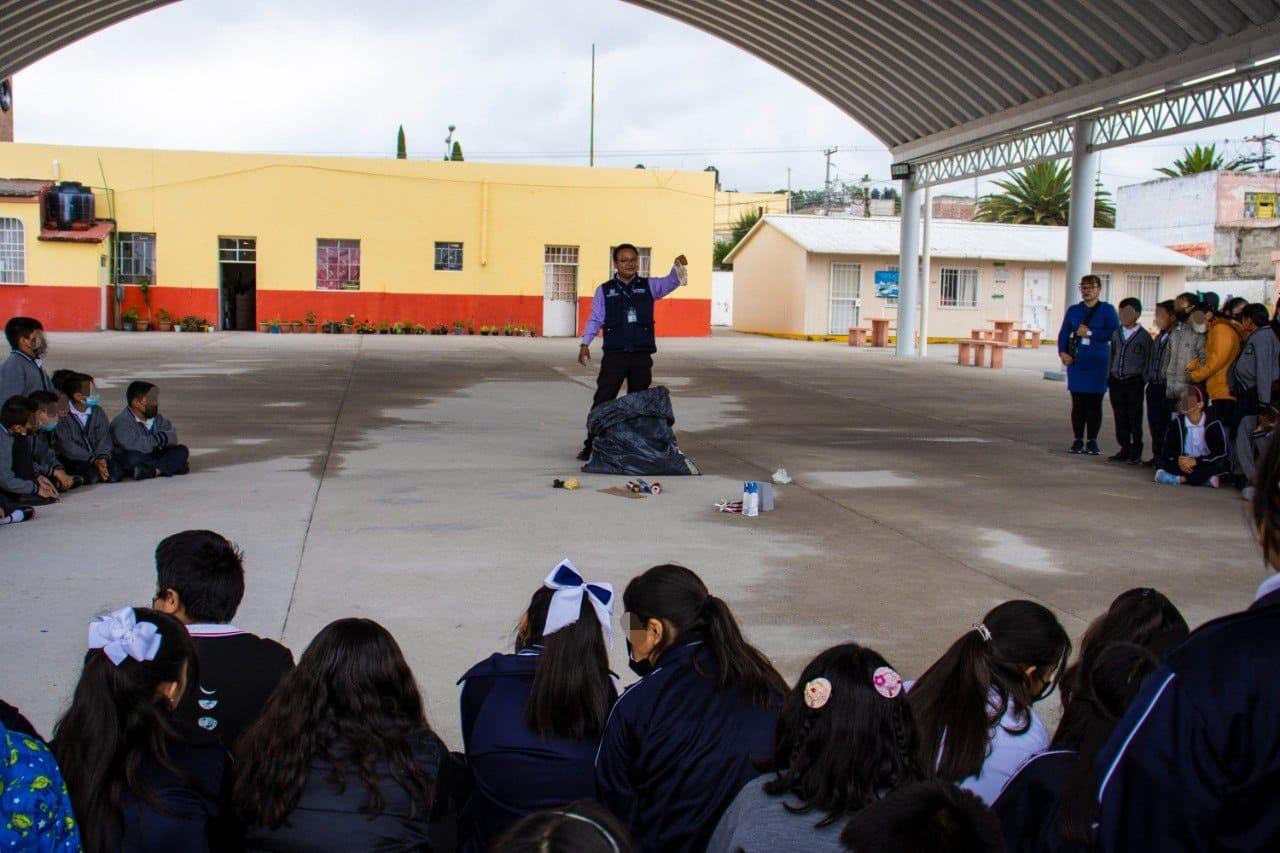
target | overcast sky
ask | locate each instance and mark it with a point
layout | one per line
(338, 78)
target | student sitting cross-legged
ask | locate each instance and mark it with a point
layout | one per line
(44, 452)
(846, 738)
(531, 721)
(146, 443)
(200, 582)
(84, 434)
(20, 483)
(1195, 447)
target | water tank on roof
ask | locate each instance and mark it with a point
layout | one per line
(70, 206)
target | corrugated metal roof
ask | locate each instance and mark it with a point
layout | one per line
(32, 29)
(969, 240)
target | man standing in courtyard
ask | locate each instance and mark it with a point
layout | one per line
(623, 308)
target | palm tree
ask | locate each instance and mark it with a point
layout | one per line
(1041, 195)
(1195, 160)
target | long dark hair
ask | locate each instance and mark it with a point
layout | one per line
(970, 687)
(1141, 615)
(860, 744)
(351, 699)
(680, 599)
(1104, 692)
(115, 722)
(570, 695)
(1266, 501)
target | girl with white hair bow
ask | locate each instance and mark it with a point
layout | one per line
(531, 720)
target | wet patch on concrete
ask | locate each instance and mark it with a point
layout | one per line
(1010, 549)
(857, 479)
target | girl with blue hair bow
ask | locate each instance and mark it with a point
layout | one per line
(532, 719)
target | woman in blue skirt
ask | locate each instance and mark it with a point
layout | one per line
(1084, 345)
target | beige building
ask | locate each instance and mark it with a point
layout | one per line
(814, 275)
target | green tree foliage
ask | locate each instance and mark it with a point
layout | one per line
(1195, 160)
(402, 152)
(722, 248)
(456, 154)
(1041, 195)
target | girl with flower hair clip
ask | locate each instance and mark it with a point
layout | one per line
(845, 738)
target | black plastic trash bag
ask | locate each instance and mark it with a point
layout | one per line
(632, 435)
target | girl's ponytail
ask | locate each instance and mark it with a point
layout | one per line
(738, 661)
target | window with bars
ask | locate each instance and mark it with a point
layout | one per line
(560, 273)
(449, 257)
(337, 264)
(1105, 278)
(135, 257)
(1144, 286)
(237, 250)
(645, 253)
(13, 251)
(959, 287)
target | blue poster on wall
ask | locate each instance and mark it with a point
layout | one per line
(887, 284)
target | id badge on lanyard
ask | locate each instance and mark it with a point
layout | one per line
(632, 317)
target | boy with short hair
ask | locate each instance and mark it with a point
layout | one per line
(43, 443)
(146, 443)
(23, 372)
(84, 435)
(19, 480)
(1159, 406)
(200, 582)
(1126, 380)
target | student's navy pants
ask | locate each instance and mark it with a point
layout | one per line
(169, 462)
(89, 471)
(1202, 472)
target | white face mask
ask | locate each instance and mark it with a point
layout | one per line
(1200, 328)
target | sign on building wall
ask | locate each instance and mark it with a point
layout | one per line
(887, 284)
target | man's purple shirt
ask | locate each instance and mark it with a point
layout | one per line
(659, 287)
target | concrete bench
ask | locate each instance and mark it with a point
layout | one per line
(858, 336)
(983, 334)
(973, 353)
(1027, 337)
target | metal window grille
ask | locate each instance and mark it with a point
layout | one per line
(1259, 205)
(560, 273)
(1105, 278)
(337, 264)
(13, 251)
(846, 288)
(1144, 286)
(135, 257)
(237, 250)
(449, 257)
(959, 287)
(645, 253)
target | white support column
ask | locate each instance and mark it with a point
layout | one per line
(1080, 221)
(909, 271)
(925, 272)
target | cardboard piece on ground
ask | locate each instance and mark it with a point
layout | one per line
(619, 492)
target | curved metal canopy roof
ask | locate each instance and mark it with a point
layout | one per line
(923, 75)
(32, 29)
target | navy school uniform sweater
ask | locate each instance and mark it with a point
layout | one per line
(677, 750)
(515, 770)
(1028, 805)
(88, 442)
(1194, 764)
(1215, 438)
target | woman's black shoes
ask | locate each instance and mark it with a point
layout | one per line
(1077, 446)
(1092, 448)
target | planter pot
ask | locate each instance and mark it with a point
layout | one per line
(177, 328)
(275, 330)
(265, 328)
(348, 329)
(129, 325)
(311, 328)
(209, 329)
(164, 327)
(143, 325)
(297, 328)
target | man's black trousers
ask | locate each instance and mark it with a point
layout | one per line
(1126, 405)
(634, 368)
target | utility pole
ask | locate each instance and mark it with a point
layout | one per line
(788, 189)
(591, 144)
(1262, 157)
(826, 185)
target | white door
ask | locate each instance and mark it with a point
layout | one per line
(560, 292)
(846, 298)
(1035, 299)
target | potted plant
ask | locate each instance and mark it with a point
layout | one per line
(129, 320)
(508, 330)
(310, 322)
(297, 327)
(164, 321)
(367, 328)
(208, 324)
(264, 326)
(144, 290)
(398, 327)
(419, 329)
(459, 328)
(274, 326)
(349, 324)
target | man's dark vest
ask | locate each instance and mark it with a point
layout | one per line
(619, 299)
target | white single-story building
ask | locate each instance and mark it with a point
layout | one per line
(818, 275)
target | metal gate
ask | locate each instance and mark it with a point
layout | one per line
(560, 292)
(846, 298)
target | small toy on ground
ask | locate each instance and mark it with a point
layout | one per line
(728, 506)
(642, 487)
(569, 484)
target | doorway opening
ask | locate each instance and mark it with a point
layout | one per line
(238, 283)
(845, 296)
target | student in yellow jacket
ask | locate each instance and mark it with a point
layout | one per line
(1221, 346)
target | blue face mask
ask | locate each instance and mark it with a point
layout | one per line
(92, 400)
(50, 426)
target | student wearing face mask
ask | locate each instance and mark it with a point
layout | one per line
(23, 372)
(20, 483)
(698, 725)
(43, 444)
(1195, 448)
(1221, 346)
(84, 433)
(146, 443)
(1186, 344)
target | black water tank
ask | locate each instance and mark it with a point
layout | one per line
(71, 206)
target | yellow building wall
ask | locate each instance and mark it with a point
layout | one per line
(503, 214)
(731, 205)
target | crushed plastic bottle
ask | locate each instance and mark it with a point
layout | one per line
(780, 477)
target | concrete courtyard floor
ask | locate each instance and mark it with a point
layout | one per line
(407, 479)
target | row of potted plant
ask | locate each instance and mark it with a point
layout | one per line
(131, 322)
(348, 326)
